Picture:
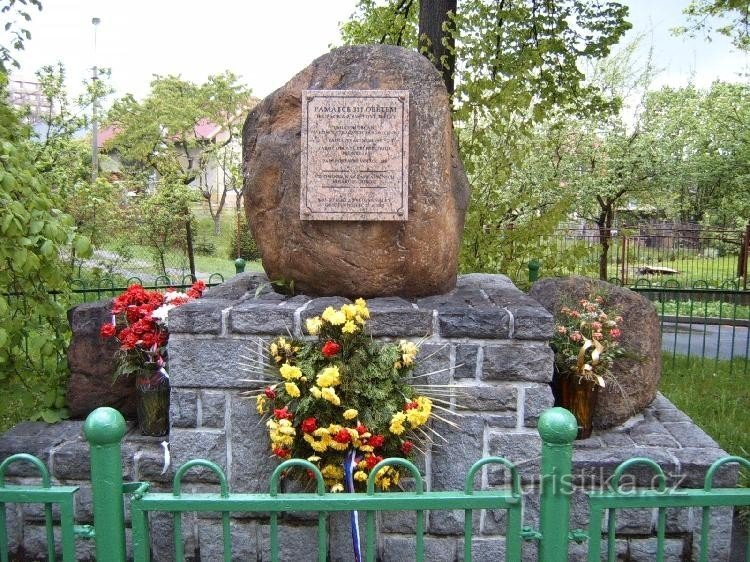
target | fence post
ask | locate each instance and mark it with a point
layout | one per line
(558, 429)
(239, 265)
(533, 270)
(104, 429)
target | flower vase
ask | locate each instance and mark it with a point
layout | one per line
(579, 397)
(152, 401)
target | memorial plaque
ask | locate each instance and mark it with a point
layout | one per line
(355, 155)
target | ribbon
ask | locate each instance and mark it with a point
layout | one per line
(349, 464)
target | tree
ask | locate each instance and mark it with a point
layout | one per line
(730, 18)
(518, 62)
(16, 32)
(172, 133)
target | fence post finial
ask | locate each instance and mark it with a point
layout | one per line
(104, 429)
(558, 429)
(239, 265)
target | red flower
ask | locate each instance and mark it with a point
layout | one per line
(270, 393)
(309, 425)
(376, 441)
(342, 436)
(282, 452)
(362, 429)
(107, 330)
(615, 333)
(372, 460)
(406, 447)
(330, 348)
(411, 406)
(283, 414)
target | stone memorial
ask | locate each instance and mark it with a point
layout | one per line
(365, 195)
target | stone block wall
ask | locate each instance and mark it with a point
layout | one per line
(485, 336)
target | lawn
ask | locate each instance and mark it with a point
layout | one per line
(716, 400)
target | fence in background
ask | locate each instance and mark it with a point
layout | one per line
(105, 428)
(682, 253)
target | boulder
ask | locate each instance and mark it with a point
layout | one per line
(91, 363)
(416, 257)
(639, 371)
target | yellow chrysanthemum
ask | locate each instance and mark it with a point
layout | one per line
(350, 414)
(409, 352)
(292, 389)
(290, 372)
(329, 394)
(360, 476)
(336, 488)
(315, 391)
(332, 472)
(313, 325)
(397, 423)
(260, 404)
(334, 317)
(362, 309)
(349, 327)
(318, 445)
(329, 376)
(313, 458)
(350, 310)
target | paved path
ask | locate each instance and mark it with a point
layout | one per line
(706, 340)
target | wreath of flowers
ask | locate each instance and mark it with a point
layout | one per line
(586, 340)
(343, 395)
(139, 323)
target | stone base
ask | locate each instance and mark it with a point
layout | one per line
(662, 433)
(485, 336)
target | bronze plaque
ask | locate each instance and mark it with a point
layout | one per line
(355, 155)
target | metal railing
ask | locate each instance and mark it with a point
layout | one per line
(105, 428)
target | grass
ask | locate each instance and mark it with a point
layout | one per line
(717, 401)
(707, 309)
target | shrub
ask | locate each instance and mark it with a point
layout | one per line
(248, 249)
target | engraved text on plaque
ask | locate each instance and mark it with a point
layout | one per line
(355, 155)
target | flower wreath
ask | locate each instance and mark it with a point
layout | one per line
(343, 396)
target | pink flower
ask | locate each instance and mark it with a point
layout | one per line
(597, 336)
(575, 314)
(615, 333)
(596, 326)
(562, 330)
(576, 336)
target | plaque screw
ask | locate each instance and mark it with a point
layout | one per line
(401, 98)
(400, 212)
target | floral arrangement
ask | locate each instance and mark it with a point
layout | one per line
(139, 323)
(586, 340)
(343, 397)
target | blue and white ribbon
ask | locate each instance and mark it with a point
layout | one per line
(350, 464)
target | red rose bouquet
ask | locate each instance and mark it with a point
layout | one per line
(139, 323)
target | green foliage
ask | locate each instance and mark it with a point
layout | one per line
(17, 16)
(34, 233)
(714, 395)
(162, 219)
(243, 244)
(728, 18)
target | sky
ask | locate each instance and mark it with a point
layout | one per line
(267, 42)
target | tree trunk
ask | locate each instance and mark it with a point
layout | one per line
(435, 43)
(604, 222)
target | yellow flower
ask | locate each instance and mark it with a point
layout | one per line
(329, 394)
(313, 325)
(360, 476)
(336, 488)
(350, 414)
(397, 423)
(329, 376)
(260, 404)
(350, 310)
(318, 445)
(292, 389)
(332, 472)
(419, 415)
(349, 327)
(362, 309)
(409, 352)
(289, 372)
(315, 391)
(313, 458)
(334, 317)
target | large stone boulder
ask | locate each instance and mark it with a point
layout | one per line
(639, 371)
(91, 363)
(416, 257)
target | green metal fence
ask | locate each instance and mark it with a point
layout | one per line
(105, 428)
